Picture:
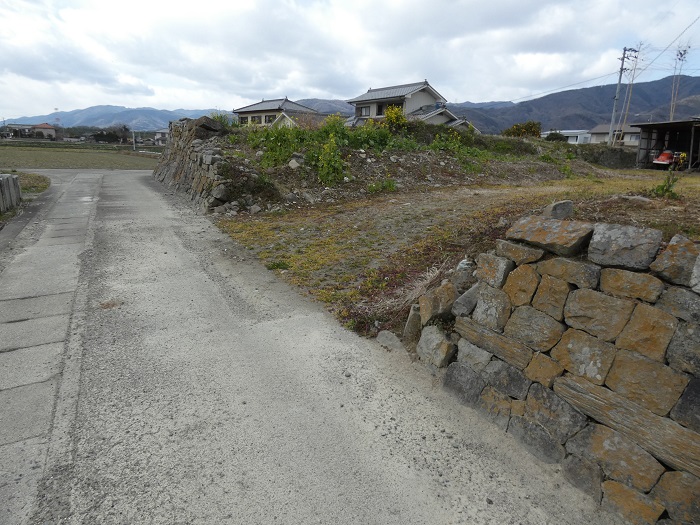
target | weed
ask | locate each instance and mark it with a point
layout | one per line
(387, 184)
(277, 265)
(330, 163)
(666, 188)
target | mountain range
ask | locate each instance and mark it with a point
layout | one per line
(582, 108)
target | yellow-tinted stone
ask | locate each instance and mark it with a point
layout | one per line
(648, 332)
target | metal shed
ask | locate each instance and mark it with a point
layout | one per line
(681, 136)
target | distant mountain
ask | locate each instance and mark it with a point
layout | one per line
(138, 119)
(587, 107)
(573, 109)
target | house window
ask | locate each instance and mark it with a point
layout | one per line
(633, 138)
(269, 119)
(256, 119)
(243, 121)
(380, 110)
(364, 111)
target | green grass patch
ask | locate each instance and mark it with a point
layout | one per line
(15, 157)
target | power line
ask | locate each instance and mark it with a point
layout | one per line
(669, 45)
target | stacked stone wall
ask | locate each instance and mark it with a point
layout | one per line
(583, 342)
(10, 194)
(194, 162)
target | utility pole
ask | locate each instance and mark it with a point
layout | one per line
(611, 134)
(680, 58)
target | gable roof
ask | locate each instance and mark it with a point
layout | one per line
(393, 92)
(44, 125)
(276, 104)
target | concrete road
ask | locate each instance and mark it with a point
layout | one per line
(152, 372)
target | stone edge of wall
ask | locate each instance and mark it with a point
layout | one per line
(582, 341)
(10, 192)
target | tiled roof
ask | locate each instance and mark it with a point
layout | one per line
(43, 126)
(393, 92)
(277, 104)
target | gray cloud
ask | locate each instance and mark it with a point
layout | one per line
(139, 53)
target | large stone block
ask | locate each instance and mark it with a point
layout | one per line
(624, 246)
(518, 253)
(536, 440)
(584, 474)
(551, 296)
(554, 414)
(679, 492)
(596, 313)
(543, 369)
(675, 263)
(493, 270)
(434, 347)
(496, 406)
(623, 283)
(687, 410)
(521, 285)
(464, 305)
(583, 275)
(437, 303)
(561, 237)
(648, 332)
(472, 355)
(682, 303)
(683, 351)
(412, 328)
(620, 458)
(559, 210)
(534, 328)
(648, 383)
(506, 379)
(635, 507)
(584, 355)
(513, 352)
(492, 308)
(662, 437)
(695, 277)
(464, 382)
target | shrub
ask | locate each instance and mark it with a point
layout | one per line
(395, 119)
(370, 136)
(555, 136)
(330, 163)
(525, 129)
(223, 118)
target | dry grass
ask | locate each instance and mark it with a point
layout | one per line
(369, 260)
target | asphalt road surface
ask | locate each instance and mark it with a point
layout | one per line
(153, 372)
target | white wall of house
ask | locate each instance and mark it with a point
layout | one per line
(418, 100)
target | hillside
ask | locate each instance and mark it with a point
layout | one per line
(587, 107)
(138, 119)
(582, 108)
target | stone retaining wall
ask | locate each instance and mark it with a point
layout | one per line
(583, 342)
(193, 163)
(10, 193)
(191, 159)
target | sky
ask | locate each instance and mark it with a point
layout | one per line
(224, 54)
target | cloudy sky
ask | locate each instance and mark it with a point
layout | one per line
(224, 54)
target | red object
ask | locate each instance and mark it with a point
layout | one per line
(665, 157)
